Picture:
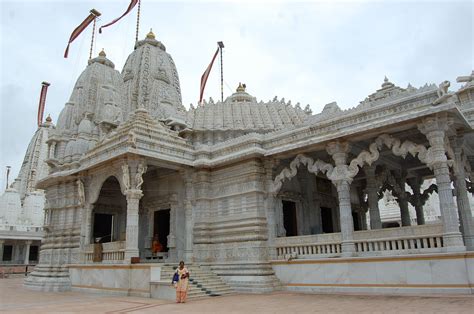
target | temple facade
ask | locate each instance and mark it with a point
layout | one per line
(253, 191)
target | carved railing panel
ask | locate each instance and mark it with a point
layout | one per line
(381, 242)
(111, 252)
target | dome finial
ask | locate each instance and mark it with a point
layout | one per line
(48, 119)
(102, 53)
(387, 83)
(150, 35)
(241, 88)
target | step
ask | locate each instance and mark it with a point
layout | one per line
(203, 282)
(210, 286)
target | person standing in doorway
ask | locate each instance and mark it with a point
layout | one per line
(156, 246)
(182, 284)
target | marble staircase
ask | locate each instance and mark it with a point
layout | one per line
(203, 282)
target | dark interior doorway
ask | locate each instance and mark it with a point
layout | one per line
(326, 219)
(289, 218)
(33, 253)
(103, 224)
(161, 227)
(7, 252)
(355, 219)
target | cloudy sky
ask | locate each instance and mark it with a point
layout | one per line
(308, 52)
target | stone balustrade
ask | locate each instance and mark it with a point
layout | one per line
(381, 242)
(111, 252)
(318, 245)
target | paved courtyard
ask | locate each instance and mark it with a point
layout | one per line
(14, 298)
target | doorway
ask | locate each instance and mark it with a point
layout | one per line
(33, 257)
(326, 219)
(355, 219)
(103, 228)
(289, 218)
(7, 253)
(161, 227)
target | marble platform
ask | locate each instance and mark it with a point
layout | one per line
(444, 273)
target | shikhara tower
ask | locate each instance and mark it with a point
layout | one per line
(240, 187)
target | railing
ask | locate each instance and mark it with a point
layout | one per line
(320, 245)
(382, 242)
(111, 252)
(328, 249)
(404, 240)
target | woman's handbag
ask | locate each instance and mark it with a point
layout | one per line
(175, 277)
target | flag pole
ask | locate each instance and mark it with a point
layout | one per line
(8, 175)
(221, 45)
(96, 14)
(138, 21)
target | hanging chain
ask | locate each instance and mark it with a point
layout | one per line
(138, 21)
(92, 40)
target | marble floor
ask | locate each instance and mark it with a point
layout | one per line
(14, 298)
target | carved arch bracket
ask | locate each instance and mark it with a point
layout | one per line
(291, 171)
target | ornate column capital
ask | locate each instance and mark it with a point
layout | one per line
(341, 173)
(132, 194)
(431, 126)
(338, 150)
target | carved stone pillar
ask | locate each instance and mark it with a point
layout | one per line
(173, 255)
(398, 185)
(132, 178)
(188, 176)
(131, 240)
(404, 210)
(416, 199)
(86, 227)
(88, 223)
(462, 199)
(27, 252)
(435, 128)
(341, 178)
(270, 202)
(280, 228)
(373, 197)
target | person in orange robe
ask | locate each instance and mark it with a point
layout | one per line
(156, 246)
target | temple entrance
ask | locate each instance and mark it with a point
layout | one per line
(326, 219)
(109, 214)
(33, 253)
(355, 220)
(7, 253)
(103, 228)
(289, 218)
(161, 227)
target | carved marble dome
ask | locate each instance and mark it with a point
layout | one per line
(97, 91)
(96, 104)
(240, 114)
(151, 81)
(34, 167)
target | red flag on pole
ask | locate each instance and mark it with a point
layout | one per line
(79, 30)
(42, 101)
(132, 4)
(205, 75)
